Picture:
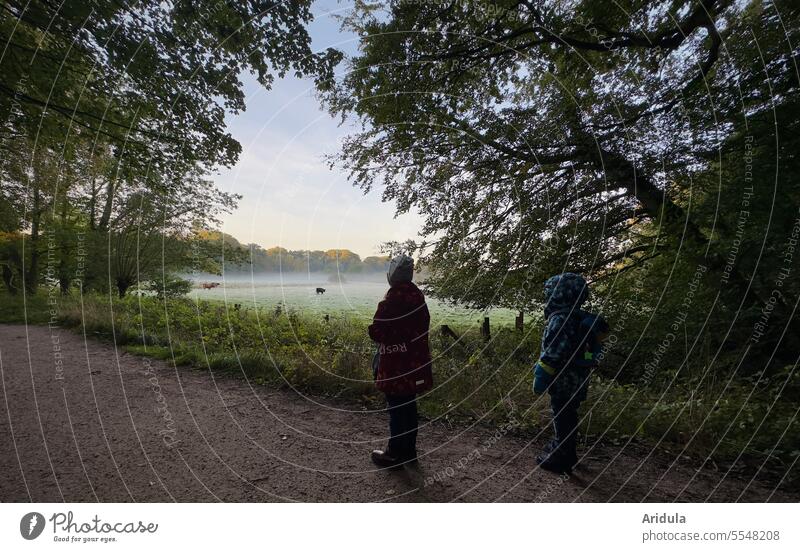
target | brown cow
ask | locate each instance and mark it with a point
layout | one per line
(212, 285)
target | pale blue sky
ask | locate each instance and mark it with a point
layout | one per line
(290, 196)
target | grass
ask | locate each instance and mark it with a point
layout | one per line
(19, 309)
(743, 421)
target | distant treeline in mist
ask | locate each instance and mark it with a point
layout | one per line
(253, 257)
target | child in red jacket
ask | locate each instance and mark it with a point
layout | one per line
(400, 328)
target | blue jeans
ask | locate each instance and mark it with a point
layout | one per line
(402, 426)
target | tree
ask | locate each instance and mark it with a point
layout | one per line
(30, 195)
(280, 259)
(104, 107)
(154, 226)
(539, 136)
(154, 79)
(169, 287)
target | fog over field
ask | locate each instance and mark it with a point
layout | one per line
(346, 295)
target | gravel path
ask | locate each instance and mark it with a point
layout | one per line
(83, 421)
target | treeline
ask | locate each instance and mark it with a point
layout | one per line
(111, 119)
(254, 258)
(278, 259)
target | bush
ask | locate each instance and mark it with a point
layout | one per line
(170, 286)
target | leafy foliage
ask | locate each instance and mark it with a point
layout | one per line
(154, 79)
(112, 116)
(539, 137)
(169, 287)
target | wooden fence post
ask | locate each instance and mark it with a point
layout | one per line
(485, 331)
(448, 332)
(519, 321)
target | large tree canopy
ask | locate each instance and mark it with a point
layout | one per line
(151, 77)
(537, 136)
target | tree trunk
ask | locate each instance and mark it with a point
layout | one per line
(106, 216)
(122, 286)
(32, 276)
(8, 279)
(655, 203)
(93, 203)
(63, 272)
(639, 185)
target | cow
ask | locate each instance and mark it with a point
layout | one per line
(320, 291)
(212, 285)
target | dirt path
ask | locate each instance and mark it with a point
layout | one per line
(97, 424)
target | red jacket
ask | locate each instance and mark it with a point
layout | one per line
(400, 327)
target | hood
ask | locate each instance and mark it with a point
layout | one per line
(564, 292)
(401, 270)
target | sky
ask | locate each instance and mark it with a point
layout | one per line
(290, 196)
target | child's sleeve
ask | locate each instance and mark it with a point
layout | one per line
(544, 370)
(553, 345)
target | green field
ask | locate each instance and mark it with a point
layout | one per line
(352, 298)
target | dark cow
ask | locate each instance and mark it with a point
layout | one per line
(320, 291)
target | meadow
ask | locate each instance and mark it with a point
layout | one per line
(346, 296)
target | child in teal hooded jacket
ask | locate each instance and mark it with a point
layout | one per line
(564, 363)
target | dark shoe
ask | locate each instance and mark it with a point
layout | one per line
(554, 464)
(551, 450)
(384, 459)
